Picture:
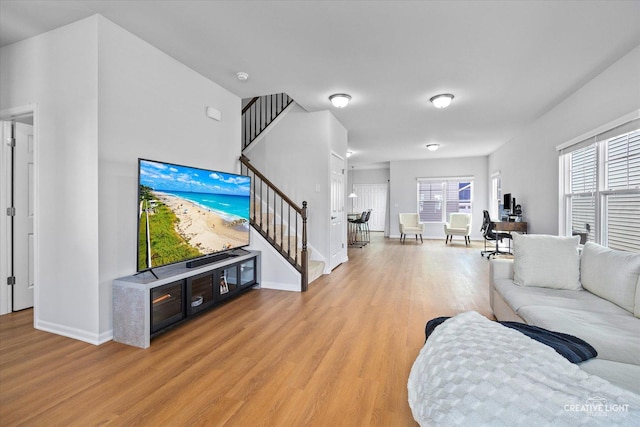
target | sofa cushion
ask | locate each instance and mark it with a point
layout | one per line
(610, 274)
(623, 375)
(614, 336)
(518, 297)
(546, 261)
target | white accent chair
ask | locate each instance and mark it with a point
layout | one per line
(459, 225)
(410, 224)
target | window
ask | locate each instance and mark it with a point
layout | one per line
(601, 187)
(438, 197)
(496, 195)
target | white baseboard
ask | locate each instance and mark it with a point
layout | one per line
(441, 237)
(78, 334)
(280, 286)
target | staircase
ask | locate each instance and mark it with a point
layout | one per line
(282, 223)
(273, 214)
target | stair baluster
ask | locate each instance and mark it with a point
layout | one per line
(259, 113)
(271, 235)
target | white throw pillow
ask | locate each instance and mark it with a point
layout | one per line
(610, 274)
(546, 261)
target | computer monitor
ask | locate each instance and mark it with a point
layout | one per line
(507, 202)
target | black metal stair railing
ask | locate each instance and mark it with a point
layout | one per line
(259, 113)
(278, 219)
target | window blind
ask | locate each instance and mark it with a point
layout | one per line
(623, 221)
(439, 197)
(430, 199)
(603, 192)
(583, 169)
(623, 162)
(622, 192)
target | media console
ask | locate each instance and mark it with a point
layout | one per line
(145, 306)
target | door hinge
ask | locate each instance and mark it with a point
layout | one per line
(11, 280)
(11, 211)
(11, 142)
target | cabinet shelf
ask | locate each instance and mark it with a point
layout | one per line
(145, 306)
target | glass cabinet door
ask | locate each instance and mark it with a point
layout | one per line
(201, 292)
(248, 272)
(167, 305)
(228, 279)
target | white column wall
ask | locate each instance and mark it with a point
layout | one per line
(150, 106)
(58, 71)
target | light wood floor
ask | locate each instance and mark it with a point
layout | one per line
(337, 355)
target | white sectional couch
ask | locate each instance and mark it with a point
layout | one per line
(593, 294)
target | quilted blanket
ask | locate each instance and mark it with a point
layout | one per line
(473, 371)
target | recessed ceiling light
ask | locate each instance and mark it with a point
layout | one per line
(433, 147)
(442, 100)
(340, 100)
(242, 76)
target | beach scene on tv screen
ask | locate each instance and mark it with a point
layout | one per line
(187, 212)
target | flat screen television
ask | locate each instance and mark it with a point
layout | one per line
(186, 213)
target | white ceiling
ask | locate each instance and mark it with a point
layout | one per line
(506, 62)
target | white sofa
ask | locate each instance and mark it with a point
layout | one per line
(593, 294)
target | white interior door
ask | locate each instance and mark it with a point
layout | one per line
(338, 234)
(23, 200)
(374, 197)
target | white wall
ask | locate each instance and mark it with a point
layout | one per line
(104, 99)
(367, 176)
(529, 162)
(370, 176)
(276, 273)
(403, 189)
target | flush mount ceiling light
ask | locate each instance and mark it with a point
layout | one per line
(340, 100)
(242, 76)
(433, 147)
(442, 100)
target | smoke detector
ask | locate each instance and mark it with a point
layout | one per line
(242, 76)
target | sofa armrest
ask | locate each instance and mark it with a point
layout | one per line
(500, 269)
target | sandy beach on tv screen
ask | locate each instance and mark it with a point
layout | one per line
(202, 228)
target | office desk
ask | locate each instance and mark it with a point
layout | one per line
(508, 227)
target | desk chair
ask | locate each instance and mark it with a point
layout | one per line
(490, 234)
